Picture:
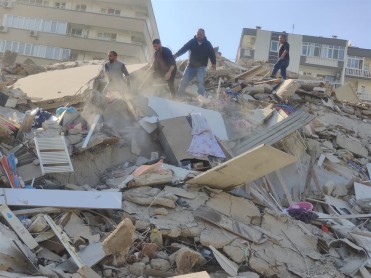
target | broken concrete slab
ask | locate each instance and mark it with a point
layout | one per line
(121, 239)
(346, 93)
(186, 259)
(244, 168)
(287, 89)
(352, 145)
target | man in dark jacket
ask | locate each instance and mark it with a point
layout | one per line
(115, 71)
(200, 51)
(164, 65)
(283, 57)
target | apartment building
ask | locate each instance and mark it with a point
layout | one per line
(330, 59)
(60, 30)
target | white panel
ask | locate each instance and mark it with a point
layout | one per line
(262, 45)
(167, 109)
(62, 198)
(53, 155)
(295, 42)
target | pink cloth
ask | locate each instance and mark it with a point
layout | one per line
(203, 142)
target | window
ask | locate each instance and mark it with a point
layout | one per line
(60, 5)
(110, 11)
(362, 89)
(355, 62)
(80, 8)
(305, 49)
(107, 36)
(323, 50)
(274, 46)
(76, 32)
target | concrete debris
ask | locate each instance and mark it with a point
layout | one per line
(117, 191)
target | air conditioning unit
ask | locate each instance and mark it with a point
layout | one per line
(33, 33)
(3, 29)
(7, 4)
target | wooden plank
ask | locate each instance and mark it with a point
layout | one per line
(244, 168)
(62, 198)
(241, 229)
(18, 227)
(91, 130)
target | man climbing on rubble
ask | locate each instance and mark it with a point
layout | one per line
(164, 65)
(114, 70)
(283, 57)
(200, 51)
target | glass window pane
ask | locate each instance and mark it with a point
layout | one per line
(26, 23)
(57, 53)
(15, 46)
(38, 24)
(2, 45)
(61, 27)
(49, 52)
(35, 50)
(66, 54)
(46, 26)
(53, 27)
(21, 48)
(15, 22)
(8, 45)
(42, 51)
(9, 20)
(28, 49)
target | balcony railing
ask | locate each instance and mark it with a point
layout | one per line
(358, 72)
(364, 96)
(322, 61)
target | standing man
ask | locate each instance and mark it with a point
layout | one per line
(283, 57)
(114, 71)
(200, 51)
(164, 65)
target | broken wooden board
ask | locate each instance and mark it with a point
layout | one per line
(60, 198)
(347, 93)
(228, 266)
(243, 230)
(273, 134)
(91, 130)
(28, 212)
(90, 255)
(84, 270)
(18, 227)
(244, 168)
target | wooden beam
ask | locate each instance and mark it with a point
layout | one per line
(18, 227)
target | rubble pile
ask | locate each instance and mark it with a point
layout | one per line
(112, 184)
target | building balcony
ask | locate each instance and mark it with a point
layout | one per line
(78, 17)
(76, 43)
(324, 62)
(358, 73)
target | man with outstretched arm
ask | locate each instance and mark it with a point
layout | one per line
(114, 70)
(200, 51)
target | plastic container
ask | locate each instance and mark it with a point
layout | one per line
(304, 205)
(156, 237)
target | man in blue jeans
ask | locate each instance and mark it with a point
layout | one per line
(200, 51)
(283, 57)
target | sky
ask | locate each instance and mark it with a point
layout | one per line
(223, 20)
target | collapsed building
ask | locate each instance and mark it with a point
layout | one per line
(261, 178)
